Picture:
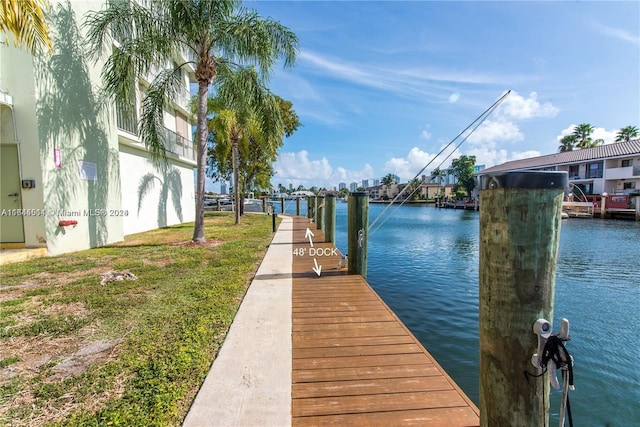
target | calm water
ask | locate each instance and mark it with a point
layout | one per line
(424, 263)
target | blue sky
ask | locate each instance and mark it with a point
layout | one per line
(383, 86)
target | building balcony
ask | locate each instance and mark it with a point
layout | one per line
(623, 173)
(174, 144)
(178, 145)
(126, 122)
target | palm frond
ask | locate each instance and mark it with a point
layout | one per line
(24, 21)
(139, 39)
(145, 185)
(152, 131)
(173, 181)
(249, 39)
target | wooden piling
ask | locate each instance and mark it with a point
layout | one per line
(298, 206)
(520, 217)
(603, 205)
(330, 218)
(358, 232)
(311, 207)
(264, 205)
(637, 208)
(320, 213)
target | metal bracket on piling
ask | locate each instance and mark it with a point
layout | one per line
(542, 328)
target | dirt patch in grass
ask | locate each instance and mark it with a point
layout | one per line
(192, 244)
(65, 355)
(132, 352)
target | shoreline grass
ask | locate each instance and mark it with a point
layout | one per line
(74, 351)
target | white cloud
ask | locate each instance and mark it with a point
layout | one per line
(617, 33)
(516, 107)
(410, 81)
(425, 134)
(407, 167)
(348, 176)
(495, 156)
(297, 169)
(608, 136)
(487, 141)
(493, 131)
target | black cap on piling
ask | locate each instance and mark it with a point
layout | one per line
(524, 179)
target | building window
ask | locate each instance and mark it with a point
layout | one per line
(629, 185)
(594, 170)
(574, 171)
(626, 163)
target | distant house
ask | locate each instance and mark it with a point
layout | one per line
(74, 172)
(610, 168)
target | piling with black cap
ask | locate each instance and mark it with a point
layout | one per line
(298, 206)
(520, 217)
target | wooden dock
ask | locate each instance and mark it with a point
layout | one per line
(354, 362)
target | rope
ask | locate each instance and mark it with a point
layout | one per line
(479, 120)
(556, 352)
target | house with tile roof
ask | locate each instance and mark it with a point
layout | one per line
(611, 168)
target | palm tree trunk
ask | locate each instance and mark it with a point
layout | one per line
(236, 180)
(201, 139)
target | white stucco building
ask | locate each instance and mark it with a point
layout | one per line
(75, 174)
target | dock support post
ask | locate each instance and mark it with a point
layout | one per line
(603, 205)
(358, 232)
(520, 217)
(264, 205)
(311, 208)
(218, 205)
(281, 204)
(320, 213)
(330, 218)
(637, 208)
(297, 206)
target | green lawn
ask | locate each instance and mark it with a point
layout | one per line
(75, 351)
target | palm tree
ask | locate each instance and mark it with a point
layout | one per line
(568, 143)
(438, 175)
(218, 35)
(252, 116)
(583, 132)
(25, 21)
(388, 179)
(627, 133)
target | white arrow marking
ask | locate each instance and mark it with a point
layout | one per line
(309, 234)
(317, 268)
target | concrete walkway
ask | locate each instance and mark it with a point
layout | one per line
(250, 381)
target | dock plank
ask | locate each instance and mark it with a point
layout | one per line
(354, 362)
